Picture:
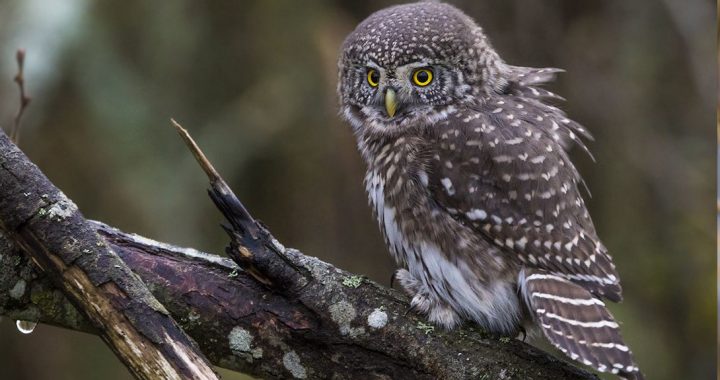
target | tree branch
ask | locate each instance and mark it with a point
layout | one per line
(318, 322)
(54, 234)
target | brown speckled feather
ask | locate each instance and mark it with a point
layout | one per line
(502, 168)
(471, 184)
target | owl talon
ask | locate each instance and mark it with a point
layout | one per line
(410, 308)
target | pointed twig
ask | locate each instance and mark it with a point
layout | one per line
(24, 98)
(205, 164)
(244, 230)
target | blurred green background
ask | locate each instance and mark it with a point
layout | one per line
(254, 82)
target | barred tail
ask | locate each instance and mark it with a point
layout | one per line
(578, 324)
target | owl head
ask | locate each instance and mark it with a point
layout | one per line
(406, 66)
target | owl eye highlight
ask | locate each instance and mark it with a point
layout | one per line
(422, 77)
(373, 78)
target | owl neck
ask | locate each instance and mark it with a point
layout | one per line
(372, 136)
(370, 147)
(382, 152)
(375, 148)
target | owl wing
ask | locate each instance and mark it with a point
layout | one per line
(502, 169)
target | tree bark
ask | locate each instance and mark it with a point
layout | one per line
(55, 235)
(286, 315)
(242, 326)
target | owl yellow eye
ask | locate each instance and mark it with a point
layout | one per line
(373, 77)
(422, 77)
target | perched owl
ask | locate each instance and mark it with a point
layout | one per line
(470, 181)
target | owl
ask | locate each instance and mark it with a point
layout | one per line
(469, 177)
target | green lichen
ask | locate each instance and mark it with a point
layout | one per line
(505, 339)
(292, 363)
(46, 300)
(241, 344)
(425, 327)
(191, 320)
(343, 313)
(61, 210)
(234, 273)
(352, 281)
(58, 211)
(377, 319)
(240, 339)
(73, 317)
(193, 316)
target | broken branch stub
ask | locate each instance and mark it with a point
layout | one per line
(252, 246)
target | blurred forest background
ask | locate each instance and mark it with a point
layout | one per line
(254, 82)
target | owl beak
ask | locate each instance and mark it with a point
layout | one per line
(390, 102)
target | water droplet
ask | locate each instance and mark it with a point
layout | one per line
(25, 327)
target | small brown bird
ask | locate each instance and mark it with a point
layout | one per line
(468, 176)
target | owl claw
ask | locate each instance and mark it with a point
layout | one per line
(410, 308)
(523, 332)
(421, 303)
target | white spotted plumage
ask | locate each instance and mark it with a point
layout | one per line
(470, 181)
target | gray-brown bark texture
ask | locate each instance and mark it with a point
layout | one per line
(286, 315)
(41, 220)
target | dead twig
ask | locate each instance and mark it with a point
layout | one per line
(24, 98)
(241, 221)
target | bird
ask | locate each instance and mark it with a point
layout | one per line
(469, 177)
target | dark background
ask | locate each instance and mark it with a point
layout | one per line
(254, 81)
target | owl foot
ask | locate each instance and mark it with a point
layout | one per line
(420, 302)
(437, 312)
(444, 316)
(409, 284)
